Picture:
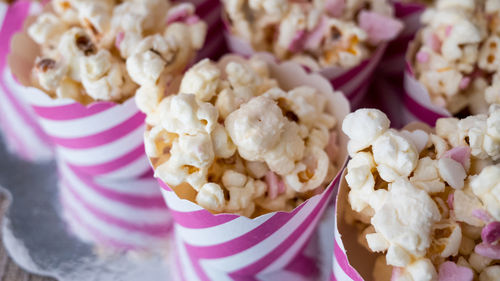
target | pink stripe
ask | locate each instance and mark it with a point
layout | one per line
(404, 9)
(104, 137)
(200, 219)
(207, 7)
(423, 114)
(158, 230)
(99, 237)
(341, 259)
(71, 111)
(341, 80)
(332, 277)
(113, 165)
(312, 219)
(138, 201)
(15, 15)
(303, 265)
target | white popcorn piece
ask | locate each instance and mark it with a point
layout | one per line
(489, 54)
(450, 244)
(464, 204)
(74, 44)
(233, 179)
(363, 127)
(490, 273)
(47, 29)
(419, 138)
(478, 262)
(184, 114)
(394, 155)
(211, 197)
(486, 186)
(452, 172)
(223, 145)
(419, 270)
(305, 177)
(257, 169)
(426, 176)
(148, 96)
(50, 73)
(405, 221)
(201, 80)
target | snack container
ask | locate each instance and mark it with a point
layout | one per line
(100, 139)
(418, 106)
(347, 266)
(353, 82)
(22, 134)
(128, 215)
(233, 247)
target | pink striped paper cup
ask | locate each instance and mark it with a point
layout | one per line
(392, 64)
(102, 139)
(114, 215)
(233, 247)
(22, 133)
(353, 82)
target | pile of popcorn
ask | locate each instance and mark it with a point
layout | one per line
(429, 201)
(95, 50)
(235, 142)
(317, 34)
(459, 54)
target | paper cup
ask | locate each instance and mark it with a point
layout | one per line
(101, 139)
(353, 82)
(233, 247)
(209, 11)
(115, 215)
(22, 133)
(392, 64)
(417, 102)
(347, 264)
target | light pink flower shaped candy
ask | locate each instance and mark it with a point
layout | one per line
(461, 154)
(482, 215)
(181, 13)
(379, 27)
(491, 232)
(315, 36)
(449, 271)
(489, 251)
(275, 186)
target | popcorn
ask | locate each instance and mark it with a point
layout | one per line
(87, 48)
(457, 57)
(490, 273)
(437, 218)
(319, 34)
(245, 145)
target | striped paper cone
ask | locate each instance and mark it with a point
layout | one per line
(22, 133)
(353, 82)
(115, 215)
(393, 62)
(233, 247)
(102, 139)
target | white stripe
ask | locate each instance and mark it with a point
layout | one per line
(90, 125)
(222, 233)
(188, 270)
(115, 208)
(140, 187)
(111, 231)
(339, 273)
(104, 153)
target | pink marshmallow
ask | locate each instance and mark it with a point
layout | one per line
(449, 271)
(379, 28)
(464, 83)
(119, 39)
(489, 251)
(180, 13)
(491, 233)
(433, 42)
(315, 36)
(423, 57)
(275, 186)
(335, 7)
(461, 154)
(448, 30)
(297, 44)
